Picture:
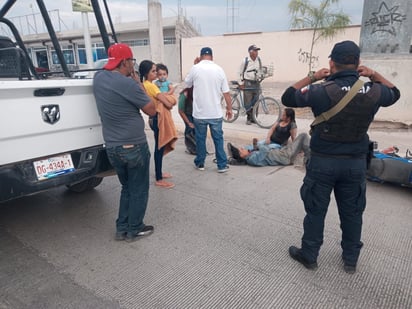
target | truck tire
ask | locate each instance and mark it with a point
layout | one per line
(85, 185)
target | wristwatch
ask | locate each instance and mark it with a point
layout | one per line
(312, 77)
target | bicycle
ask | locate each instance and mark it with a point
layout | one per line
(266, 110)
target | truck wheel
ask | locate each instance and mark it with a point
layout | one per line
(85, 185)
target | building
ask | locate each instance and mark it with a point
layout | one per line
(135, 34)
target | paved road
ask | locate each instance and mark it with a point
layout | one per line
(220, 241)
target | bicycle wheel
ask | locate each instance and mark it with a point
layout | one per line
(235, 108)
(266, 112)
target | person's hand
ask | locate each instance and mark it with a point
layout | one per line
(321, 74)
(241, 87)
(365, 71)
(135, 76)
(197, 60)
(191, 125)
(229, 114)
(267, 141)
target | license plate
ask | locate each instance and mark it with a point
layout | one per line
(54, 166)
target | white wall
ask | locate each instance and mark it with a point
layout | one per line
(286, 50)
(283, 49)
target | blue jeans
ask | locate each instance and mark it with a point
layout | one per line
(346, 177)
(132, 168)
(261, 143)
(216, 131)
(258, 158)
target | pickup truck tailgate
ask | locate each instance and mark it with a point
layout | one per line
(43, 117)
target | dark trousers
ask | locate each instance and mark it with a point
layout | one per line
(158, 153)
(190, 136)
(346, 177)
(250, 96)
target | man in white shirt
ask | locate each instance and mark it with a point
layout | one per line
(209, 83)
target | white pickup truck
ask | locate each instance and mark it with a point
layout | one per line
(50, 130)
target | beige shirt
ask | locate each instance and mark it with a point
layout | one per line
(253, 67)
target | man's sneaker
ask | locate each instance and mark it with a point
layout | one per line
(223, 170)
(146, 231)
(200, 167)
(296, 254)
(349, 269)
(120, 236)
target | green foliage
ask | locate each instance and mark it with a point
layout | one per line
(325, 23)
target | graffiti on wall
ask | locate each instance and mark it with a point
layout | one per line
(385, 19)
(305, 57)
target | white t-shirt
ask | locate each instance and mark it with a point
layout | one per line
(209, 82)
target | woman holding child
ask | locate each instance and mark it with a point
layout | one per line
(162, 123)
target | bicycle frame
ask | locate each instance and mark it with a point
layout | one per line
(239, 93)
(266, 110)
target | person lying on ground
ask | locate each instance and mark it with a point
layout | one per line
(279, 134)
(266, 156)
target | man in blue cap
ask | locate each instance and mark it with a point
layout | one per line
(209, 84)
(339, 148)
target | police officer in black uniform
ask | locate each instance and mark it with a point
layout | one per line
(339, 149)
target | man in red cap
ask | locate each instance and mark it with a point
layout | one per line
(249, 79)
(339, 147)
(120, 98)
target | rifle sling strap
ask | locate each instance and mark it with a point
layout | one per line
(325, 116)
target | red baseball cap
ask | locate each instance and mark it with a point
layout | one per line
(117, 53)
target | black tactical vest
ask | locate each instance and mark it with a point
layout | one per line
(352, 122)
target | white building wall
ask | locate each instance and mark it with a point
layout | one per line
(288, 52)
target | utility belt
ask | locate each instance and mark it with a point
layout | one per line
(336, 156)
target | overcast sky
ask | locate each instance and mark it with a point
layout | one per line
(212, 17)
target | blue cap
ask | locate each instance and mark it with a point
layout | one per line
(253, 47)
(206, 51)
(346, 52)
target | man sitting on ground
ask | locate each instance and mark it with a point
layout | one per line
(265, 156)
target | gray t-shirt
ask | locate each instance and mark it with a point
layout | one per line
(119, 100)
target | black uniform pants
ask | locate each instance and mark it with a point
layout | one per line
(346, 178)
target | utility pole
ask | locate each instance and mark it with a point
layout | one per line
(155, 31)
(232, 13)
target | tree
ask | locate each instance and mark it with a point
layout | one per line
(325, 23)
